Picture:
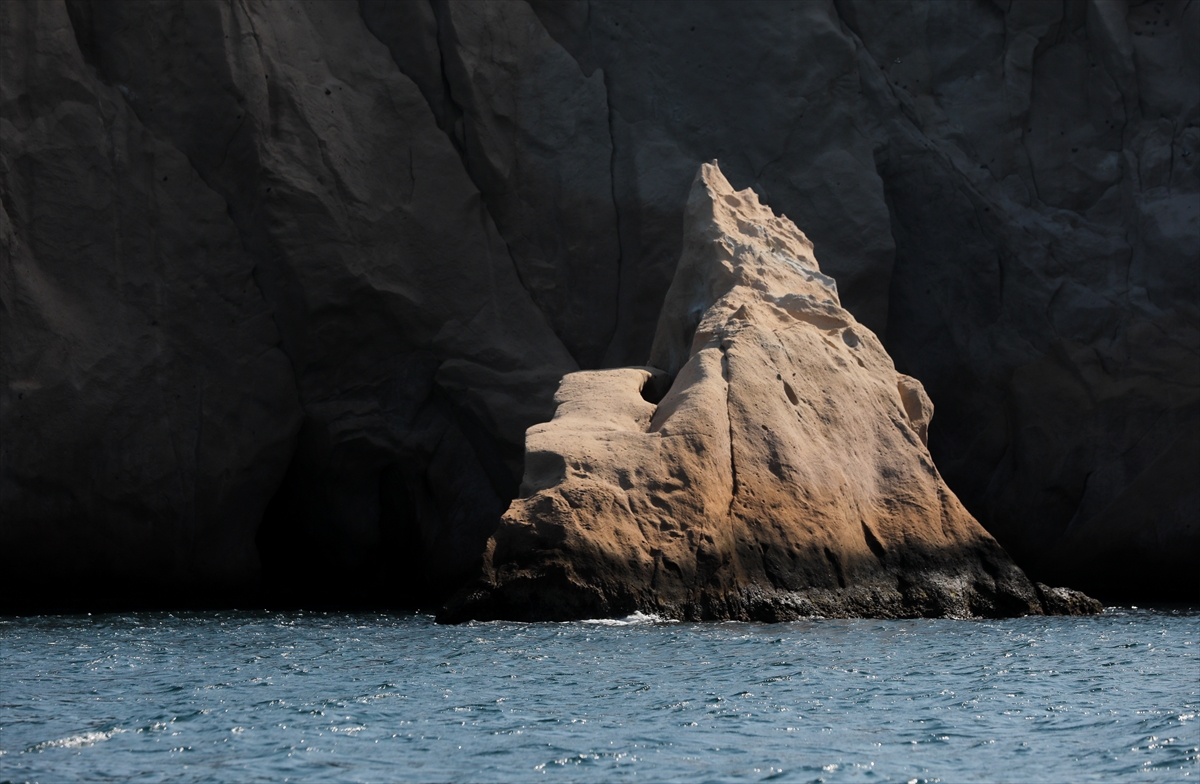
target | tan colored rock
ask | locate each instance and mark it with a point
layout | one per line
(1007, 195)
(784, 473)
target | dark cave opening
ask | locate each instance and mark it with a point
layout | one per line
(357, 526)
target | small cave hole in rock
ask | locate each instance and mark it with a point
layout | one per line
(655, 388)
(791, 394)
(321, 547)
(850, 338)
(396, 531)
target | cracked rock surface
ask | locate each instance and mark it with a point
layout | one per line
(782, 474)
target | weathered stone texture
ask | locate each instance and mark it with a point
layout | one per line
(779, 476)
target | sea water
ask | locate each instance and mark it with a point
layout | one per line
(353, 697)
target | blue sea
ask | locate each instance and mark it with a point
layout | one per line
(368, 697)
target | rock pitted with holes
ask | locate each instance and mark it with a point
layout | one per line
(784, 473)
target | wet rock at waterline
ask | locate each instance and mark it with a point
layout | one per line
(1066, 601)
(783, 473)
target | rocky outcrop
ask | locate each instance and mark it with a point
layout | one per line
(1008, 193)
(444, 206)
(783, 473)
(1066, 601)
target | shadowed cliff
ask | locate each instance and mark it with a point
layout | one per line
(282, 285)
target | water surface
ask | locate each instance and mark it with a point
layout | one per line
(243, 697)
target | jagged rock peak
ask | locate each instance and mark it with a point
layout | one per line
(784, 473)
(731, 240)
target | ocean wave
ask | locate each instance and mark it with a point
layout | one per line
(631, 620)
(76, 741)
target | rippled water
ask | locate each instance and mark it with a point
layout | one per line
(241, 697)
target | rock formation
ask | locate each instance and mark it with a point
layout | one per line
(389, 229)
(784, 472)
(1008, 193)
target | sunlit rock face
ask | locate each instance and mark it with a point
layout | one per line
(396, 226)
(784, 473)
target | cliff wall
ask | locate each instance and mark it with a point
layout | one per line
(284, 284)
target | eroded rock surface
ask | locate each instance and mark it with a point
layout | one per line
(783, 474)
(1008, 193)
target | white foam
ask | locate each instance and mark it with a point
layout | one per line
(631, 620)
(76, 741)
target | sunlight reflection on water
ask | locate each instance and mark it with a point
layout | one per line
(365, 697)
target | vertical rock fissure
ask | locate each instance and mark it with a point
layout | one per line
(459, 145)
(612, 189)
(456, 123)
(192, 514)
(229, 143)
(733, 485)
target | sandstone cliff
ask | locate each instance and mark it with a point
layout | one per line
(784, 473)
(388, 229)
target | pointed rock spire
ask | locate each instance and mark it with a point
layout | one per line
(784, 473)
